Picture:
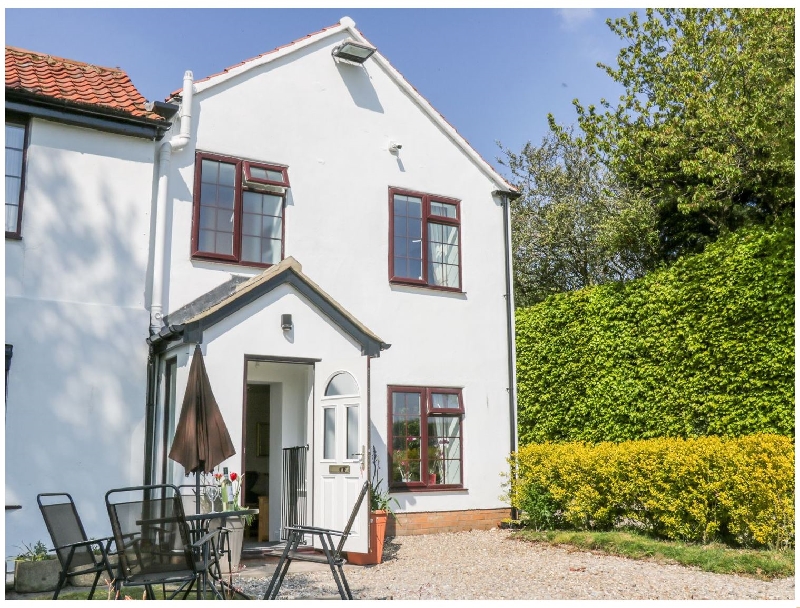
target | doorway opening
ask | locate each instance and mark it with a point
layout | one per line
(277, 398)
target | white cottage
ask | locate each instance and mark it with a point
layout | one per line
(341, 255)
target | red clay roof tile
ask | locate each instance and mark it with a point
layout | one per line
(74, 81)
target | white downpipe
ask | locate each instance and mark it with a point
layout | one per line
(164, 157)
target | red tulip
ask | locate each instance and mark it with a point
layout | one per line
(234, 476)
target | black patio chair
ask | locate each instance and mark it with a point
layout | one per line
(154, 541)
(76, 552)
(330, 555)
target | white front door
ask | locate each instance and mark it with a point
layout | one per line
(340, 452)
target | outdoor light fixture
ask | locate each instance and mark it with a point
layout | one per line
(351, 51)
(286, 322)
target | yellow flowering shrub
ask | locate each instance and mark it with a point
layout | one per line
(682, 489)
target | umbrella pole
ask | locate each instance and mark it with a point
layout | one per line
(197, 490)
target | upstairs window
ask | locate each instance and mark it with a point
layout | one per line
(424, 240)
(15, 182)
(238, 210)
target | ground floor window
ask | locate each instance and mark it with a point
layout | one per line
(425, 437)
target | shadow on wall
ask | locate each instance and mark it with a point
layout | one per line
(76, 394)
(359, 85)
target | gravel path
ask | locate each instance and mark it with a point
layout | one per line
(489, 565)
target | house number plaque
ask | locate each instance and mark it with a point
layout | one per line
(339, 469)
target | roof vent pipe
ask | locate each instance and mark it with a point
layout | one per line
(164, 156)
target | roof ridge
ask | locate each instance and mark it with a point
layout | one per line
(241, 63)
(74, 62)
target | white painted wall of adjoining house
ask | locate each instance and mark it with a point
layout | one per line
(332, 124)
(76, 316)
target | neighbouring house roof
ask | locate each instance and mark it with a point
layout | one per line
(348, 25)
(191, 320)
(76, 88)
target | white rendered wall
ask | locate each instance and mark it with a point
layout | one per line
(76, 316)
(332, 124)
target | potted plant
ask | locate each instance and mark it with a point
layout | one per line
(234, 525)
(35, 569)
(380, 508)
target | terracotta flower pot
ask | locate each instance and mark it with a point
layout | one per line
(377, 533)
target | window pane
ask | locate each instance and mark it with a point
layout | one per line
(251, 201)
(443, 209)
(11, 218)
(450, 254)
(435, 232)
(225, 197)
(399, 205)
(207, 240)
(224, 243)
(208, 194)
(251, 249)
(352, 432)
(209, 171)
(452, 471)
(13, 162)
(227, 174)
(414, 207)
(329, 433)
(270, 251)
(451, 279)
(415, 249)
(273, 205)
(15, 136)
(342, 383)
(415, 228)
(400, 248)
(450, 234)
(251, 224)
(12, 190)
(415, 269)
(400, 227)
(400, 267)
(208, 217)
(271, 227)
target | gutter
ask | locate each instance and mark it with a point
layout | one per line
(507, 196)
(177, 142)
(85, 115)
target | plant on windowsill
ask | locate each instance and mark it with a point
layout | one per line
(380, 506)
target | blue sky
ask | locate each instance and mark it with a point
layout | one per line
(493, 73)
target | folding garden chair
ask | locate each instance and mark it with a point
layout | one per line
(76, 553)
(154, 542)
(331, 555)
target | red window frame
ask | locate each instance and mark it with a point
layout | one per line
(20, 121)
(258, 180)
(427, 217)
(426, 412)
(242, 169)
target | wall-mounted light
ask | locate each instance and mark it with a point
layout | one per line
(286, 322)
(351, 51)
(395, 147)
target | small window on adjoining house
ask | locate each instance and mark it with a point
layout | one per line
(424, 240)
(15, 181)
(425, 437)
(238, 210)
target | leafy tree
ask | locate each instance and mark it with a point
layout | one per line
(574, 225)
(705, 128)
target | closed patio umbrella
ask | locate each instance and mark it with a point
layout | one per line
(201, 438)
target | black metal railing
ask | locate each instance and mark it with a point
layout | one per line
(293, 492)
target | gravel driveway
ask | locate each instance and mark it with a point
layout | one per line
(489, 565)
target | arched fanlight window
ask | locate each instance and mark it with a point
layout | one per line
(341, 384)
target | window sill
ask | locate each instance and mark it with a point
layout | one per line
(428, 489)
(423, 286)
(11, 236)
(213, 260)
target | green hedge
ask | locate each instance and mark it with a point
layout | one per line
(704, 489)
(703, 347)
